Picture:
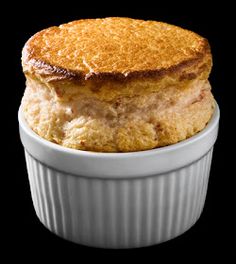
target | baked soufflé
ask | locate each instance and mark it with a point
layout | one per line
(117, 84)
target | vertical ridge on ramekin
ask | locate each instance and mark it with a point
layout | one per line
(40, 174)
(98, 210)
(56, 199)
(160, 205)
(171, 203)
(186, 198)
(38, 191)
(149, 211)
(201, 187)
(66, 200)
(167, 205)
(194, 173)
(126, 204)
(182, 199)
(191, 175)
(82, 203)
(31, 182)
(60, 204)
(92, 203)
(206, 178)
(155, 203)
(131, 206)
(76, 207)
(74, 212)
(105, 213)
(118, 209)
(35, 187)
(88, 213)
(138, 206)
(198, 172)
(176, 204)
(111, 213)
(193, 181)
(142, 211)
(52, 198)
(210, 153)
(45, 181)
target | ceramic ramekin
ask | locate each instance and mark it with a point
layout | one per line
(119, 200)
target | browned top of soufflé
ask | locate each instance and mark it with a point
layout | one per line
(115, 49)
(117, 84)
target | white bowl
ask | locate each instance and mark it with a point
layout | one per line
(119, 200)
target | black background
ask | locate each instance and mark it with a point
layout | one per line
(214, 234)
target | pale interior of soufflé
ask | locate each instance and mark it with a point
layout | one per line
(118, 119)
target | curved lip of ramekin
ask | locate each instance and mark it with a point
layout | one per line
(209, 127)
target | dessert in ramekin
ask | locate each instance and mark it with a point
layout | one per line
(118, 123)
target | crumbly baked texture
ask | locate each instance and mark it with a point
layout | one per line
(117, 84)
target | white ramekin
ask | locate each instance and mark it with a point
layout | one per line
(119, 200)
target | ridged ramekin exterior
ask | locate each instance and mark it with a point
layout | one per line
(119, 213)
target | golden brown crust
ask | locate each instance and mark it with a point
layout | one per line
(115, 49)
(117, 84)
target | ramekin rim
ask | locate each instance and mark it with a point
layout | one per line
(209, 127)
